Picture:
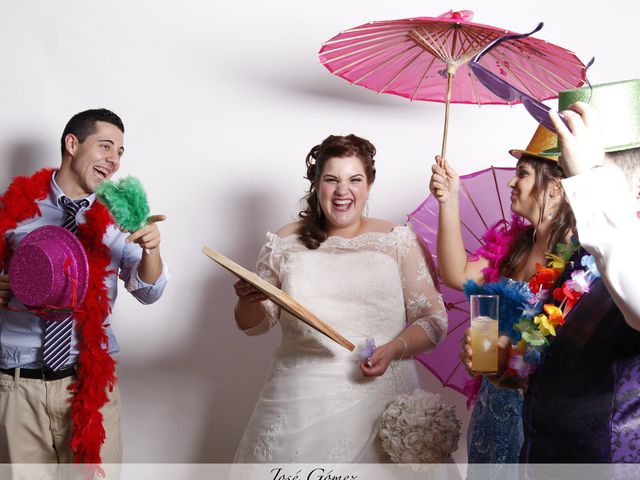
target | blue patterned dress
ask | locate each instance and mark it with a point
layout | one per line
(495, 430)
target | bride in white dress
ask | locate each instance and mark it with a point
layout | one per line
(364, 277)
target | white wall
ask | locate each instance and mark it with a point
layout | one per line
(221, 102)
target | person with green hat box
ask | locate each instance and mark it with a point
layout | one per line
(582, 405)
(606, 200)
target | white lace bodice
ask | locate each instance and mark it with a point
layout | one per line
(361, 286)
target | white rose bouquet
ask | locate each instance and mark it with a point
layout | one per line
(419, 427)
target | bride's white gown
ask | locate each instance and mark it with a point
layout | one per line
(316, 406)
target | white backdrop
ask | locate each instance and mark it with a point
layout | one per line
(221, 103)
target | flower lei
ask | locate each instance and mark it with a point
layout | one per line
(541, 317)
(96, 368)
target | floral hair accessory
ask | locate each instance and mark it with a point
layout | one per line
(419, 427)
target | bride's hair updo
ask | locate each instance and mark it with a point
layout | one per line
(312, 225)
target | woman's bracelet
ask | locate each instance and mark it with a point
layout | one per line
(404, 347)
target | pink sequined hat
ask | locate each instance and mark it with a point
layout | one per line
(47, 270)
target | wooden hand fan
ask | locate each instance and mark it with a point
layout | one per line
(279, 297)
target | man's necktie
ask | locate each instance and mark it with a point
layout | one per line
(57, 335)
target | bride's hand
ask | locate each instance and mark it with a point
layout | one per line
(379, 360)
(248, 293)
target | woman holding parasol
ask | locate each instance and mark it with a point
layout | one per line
(511, 255)
(363, 276)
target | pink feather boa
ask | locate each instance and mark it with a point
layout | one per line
(496, 243)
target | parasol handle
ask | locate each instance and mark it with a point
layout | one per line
(451, 72)
(450, 75)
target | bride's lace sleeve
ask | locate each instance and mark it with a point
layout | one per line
(268, 268)
(422, 299)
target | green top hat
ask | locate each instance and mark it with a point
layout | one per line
(617, 105)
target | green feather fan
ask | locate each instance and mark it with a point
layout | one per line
(126, 200)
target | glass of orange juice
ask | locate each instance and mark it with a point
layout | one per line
(484, 333)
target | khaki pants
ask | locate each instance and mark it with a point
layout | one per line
(35, 425)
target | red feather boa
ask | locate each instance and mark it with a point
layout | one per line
(96, 368)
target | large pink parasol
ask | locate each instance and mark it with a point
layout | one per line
(484, 200)
(426, 58)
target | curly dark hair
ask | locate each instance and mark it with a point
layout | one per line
(83, 124)
(312, 230)
(562, 224)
